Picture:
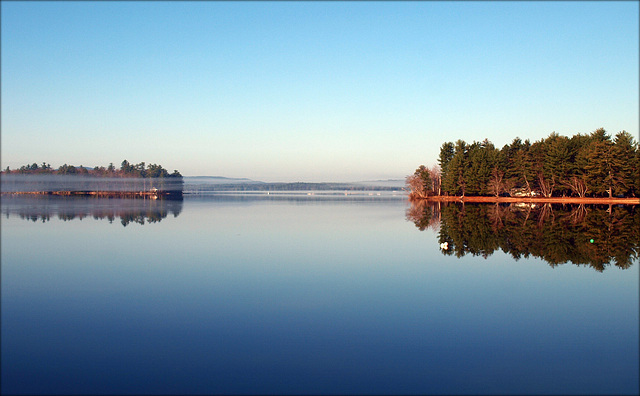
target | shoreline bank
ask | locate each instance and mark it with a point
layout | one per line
(541, 200)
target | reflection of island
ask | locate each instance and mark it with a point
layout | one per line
(592, 235)
(128, 210)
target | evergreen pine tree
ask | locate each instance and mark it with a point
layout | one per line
(623, 175)
(597, 159)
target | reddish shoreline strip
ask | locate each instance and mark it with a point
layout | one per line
(562, 200)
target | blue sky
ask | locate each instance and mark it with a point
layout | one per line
(308, 91)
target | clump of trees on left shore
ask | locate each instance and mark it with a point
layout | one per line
(140, 170)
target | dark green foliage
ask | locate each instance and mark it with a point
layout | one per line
(126, 170)
(126, 167)
(67, 170)
(625, 171)
(481, 159)
(33, 168)
(556, 160)
(583, 165)
(598, 154)
(453, 178)
(422, 173)
(446, 155)
(636, 172)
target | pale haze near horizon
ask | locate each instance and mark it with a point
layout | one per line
(306, 91)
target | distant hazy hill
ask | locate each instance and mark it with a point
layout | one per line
(200, 180)
(395, 183)
(219, 183)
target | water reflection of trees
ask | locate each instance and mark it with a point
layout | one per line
(589, 235)
(127, 210)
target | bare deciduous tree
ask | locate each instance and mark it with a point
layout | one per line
(578, 186)
(546, 186)
(436, 179)
(496, 185)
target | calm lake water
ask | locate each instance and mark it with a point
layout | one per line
(315, 294)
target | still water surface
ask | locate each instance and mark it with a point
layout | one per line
(295, 294)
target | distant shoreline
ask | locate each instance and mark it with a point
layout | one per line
(562, 200)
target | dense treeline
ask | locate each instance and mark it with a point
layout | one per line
(589, 165)
(126, 170)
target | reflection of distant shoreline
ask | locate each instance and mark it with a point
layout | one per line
(45, 207)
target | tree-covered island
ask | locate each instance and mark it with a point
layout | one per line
(129, 179)
(585, 165)
(126, 170)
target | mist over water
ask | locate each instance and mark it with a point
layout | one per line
(26, 183)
